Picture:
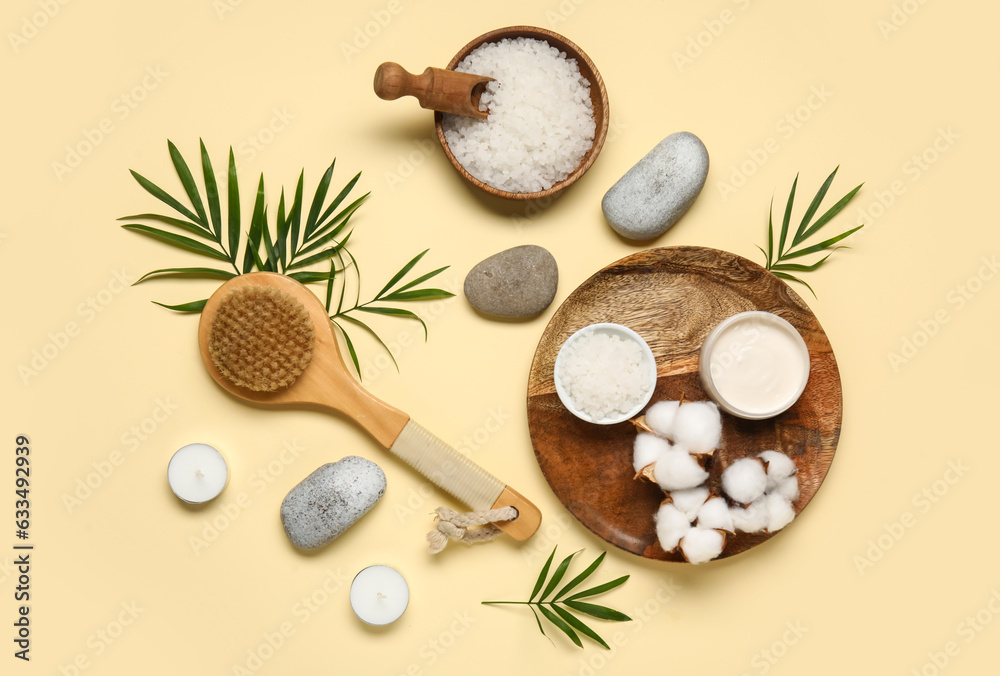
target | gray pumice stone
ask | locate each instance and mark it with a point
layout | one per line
(516, 283)
(659, 189)
(330, 500)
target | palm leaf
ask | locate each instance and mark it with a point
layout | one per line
(161, 194)
(177, 240)
(334, 204)
(317, 202)
(402, 273)
(350, 348)
(394, 312)
(542, 575)
(358, 322)
(169, 220)
(576, 581)
(343, 214)
(833, 211)
(211, 192)
(803, 232)
(417, 294)
(579, 626)
(207, 273)
(599, 589)
(233, 191)
(557, 576)
(600, 612)
(822, 246)
(193, 306)
(187, 180)
(561, 625)
(787, 217)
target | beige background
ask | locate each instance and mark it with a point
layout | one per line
(900, 94)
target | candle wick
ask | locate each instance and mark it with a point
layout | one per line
(198, 473)
(381, 595)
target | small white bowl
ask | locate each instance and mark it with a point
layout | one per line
(754, 365)
(623, 333)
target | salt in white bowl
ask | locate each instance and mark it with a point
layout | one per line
(648, 362)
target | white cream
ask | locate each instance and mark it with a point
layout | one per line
(758, 364)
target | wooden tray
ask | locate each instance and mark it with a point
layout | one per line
(673, 297)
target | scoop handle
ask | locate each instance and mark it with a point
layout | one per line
(448, 91)
(464, 479)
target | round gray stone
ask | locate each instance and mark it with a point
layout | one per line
(517, 283)
(330, 500)
(659, 189)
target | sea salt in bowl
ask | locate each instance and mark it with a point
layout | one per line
(598, 100)
(605, 373)
(754, 365)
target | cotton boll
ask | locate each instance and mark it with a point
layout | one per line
(660, 418)
(647, 449)
(677, 470)
(671, 526)
(751, 519)
(715, 514)
(788, 488)
(779, 512)
(745, 480)
(779, 467)
(702, 544)
(689, 500)
(698, 426)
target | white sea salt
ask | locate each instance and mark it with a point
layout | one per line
(603, 375)
(541, 119)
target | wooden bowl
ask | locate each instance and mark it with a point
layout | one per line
(598, 98)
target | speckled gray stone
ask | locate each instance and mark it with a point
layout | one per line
(330, 500)
(659, 189)
(519, 282)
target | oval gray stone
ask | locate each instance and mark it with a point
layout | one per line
(659, 189)
(330, 500)
(517, 283)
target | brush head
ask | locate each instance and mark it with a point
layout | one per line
(261, 338)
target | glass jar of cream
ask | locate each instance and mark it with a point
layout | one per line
(754, 365)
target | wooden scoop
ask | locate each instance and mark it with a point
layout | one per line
(448, 91)
(327, 383)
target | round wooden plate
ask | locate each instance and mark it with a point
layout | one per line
(673, 297)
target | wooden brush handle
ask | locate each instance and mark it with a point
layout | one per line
(436, 88)
(464, 479)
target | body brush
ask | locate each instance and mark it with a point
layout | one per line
(266, 338)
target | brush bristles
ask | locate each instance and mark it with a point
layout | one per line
(261, 338)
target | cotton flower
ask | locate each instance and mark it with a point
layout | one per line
(745, 480)
(779, 512)
(689, 500)
(788, 488)
(671, 526)
(660, 418)
(750, 519)
(677, 469)
(647, 449)
(779, 467)
(715, 514)
(702, 544)
(697, 426)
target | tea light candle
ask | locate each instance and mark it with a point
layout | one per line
(379, 595)
(197, 473)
